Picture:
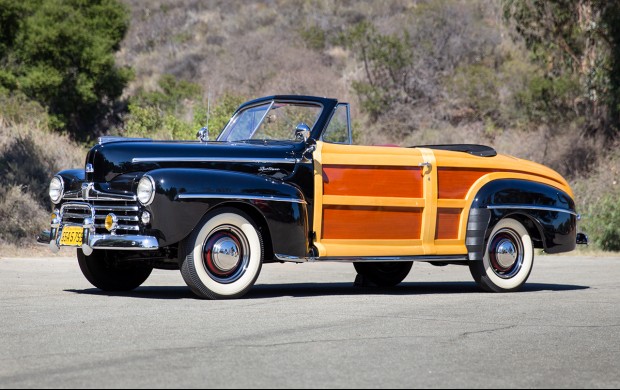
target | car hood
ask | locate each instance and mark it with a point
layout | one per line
(124, 160)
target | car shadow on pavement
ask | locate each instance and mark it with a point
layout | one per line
(304, 290)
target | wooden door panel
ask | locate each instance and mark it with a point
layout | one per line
(371, 201)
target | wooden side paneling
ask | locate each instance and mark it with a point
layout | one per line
(448, 224)
(455, 183)
(397, 182)
(371, 223)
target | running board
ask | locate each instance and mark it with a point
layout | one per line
(394, 259)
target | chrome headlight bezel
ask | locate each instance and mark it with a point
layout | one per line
(57, 189)
(146, 190)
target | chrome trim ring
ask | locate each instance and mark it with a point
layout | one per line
(226, 254)
(153, 190)
(62, 189)
(506, 253)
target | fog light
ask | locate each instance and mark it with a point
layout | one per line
(146, 218)
(56, 218)
(111, 222)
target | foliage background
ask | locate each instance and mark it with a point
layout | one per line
(539, 79)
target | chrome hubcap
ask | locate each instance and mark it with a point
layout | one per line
(506, 253)
(226, 254)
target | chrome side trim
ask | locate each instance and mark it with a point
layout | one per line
(240, 197)
(240, 160)
(535, 208)
(393, 259)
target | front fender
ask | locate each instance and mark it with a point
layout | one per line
(184, 196)
(549, 212)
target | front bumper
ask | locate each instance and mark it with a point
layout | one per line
(92, 242)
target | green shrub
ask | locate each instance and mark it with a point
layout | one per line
(477, 87)
(222, 111)
(603, 223)
(314, 37)
(163, 114)
(16, 108)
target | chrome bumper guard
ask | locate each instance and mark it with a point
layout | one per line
(92, 242)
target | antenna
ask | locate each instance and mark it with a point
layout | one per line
(203, 134)
(208, 111)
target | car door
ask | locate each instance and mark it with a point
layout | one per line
(374, 201)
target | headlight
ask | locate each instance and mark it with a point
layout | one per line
(146, 190)
(57, 189)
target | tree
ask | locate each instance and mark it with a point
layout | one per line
(578, 40)
(61, 54)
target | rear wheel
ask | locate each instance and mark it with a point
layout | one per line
(384, 274)
(508, 260)
(224, 256)
(108, 272)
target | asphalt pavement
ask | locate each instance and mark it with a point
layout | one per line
(307, 326)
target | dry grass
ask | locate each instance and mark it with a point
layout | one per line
(29, 157)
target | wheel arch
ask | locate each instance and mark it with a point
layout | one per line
(553, 231)
(259, 220)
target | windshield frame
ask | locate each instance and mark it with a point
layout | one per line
(270, 103)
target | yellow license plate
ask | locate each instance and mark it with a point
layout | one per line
(72, 236)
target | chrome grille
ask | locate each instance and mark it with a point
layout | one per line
(127, 212)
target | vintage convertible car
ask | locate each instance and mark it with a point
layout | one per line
(283, 183)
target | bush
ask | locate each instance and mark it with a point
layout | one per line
(22, 216)
(29, 157)
(176, 112)
(16, 108)
(603, 223)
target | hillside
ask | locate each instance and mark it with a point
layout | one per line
(416, 72)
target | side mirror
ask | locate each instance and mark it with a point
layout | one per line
(203, 134)
(302, 132)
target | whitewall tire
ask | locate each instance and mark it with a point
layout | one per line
(508, 259)
(224, 256)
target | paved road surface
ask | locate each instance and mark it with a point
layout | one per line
(307, 326)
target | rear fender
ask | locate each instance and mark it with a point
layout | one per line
(547, 212)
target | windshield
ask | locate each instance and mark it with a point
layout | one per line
(272, 121)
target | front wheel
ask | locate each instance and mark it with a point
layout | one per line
(108, 272)
(224, 256)
(384, 274)
(508, 260)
